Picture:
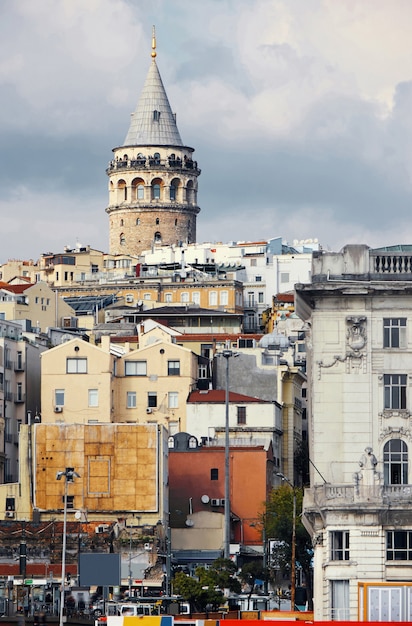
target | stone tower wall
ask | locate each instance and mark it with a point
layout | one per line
(134, 230)
(152, 198)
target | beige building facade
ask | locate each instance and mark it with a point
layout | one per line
(37, 303)
(358, 507)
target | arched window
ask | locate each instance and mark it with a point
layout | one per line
(176, 222)
(122, 239)
(157, 221)
(121, 186)
(121, 223)
(395, 462)
(138, 221)
(155, 191)
(189, 192)
(174, 189)
(158, 238)
(140, 192)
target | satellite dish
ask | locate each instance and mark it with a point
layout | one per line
(78, 515)
(189, 522)
(205, 499)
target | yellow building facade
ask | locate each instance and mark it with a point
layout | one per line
(37, 303)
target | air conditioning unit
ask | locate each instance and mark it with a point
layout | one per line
(58, 409)
(214, 502)
(10, 514)
(222, 502)
(102, 528)
(147, 547)
(149, 409)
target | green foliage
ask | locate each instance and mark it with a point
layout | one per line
(278, 521)
(252, 571)
(206, 589)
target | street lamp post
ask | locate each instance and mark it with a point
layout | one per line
(69, 474)
(293, 563)
(227, 354)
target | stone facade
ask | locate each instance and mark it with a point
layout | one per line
(358, 506)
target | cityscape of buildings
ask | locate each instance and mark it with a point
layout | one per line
(111, 364)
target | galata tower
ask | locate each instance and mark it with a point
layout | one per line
(152, 177)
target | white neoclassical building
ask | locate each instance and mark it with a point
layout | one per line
(358, 509)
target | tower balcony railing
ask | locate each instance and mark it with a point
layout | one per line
(147, 163)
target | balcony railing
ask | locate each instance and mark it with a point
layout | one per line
(176, 164)
(390, 263)
(342, 495)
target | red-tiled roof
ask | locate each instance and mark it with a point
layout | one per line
(14, 288)
(218, 396)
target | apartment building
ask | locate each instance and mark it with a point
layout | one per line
(358, 508)
(19, 393)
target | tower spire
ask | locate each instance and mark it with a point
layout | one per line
(154, 53)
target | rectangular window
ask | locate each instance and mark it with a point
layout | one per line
(260, 297)
(394, 332)
(69, 502)
(135, 368)
(258, 279)
(59, 397)
(202, 371)
(252, 262)
(241, 415)
(173, 368)
(93, 397)
(284, 277)
(196, 297)
(152, 399)
(250, 298)
(339, 600)
(212, 298)
(131, 400)
(76, 366)
(339, 545)
(184, 297)
(173, 399)
(214, 473)
(399, 545)
(147, 296)
(224, 298)
(168, 297)
(395, 391)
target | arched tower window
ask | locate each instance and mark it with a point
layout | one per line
(156, 189)
(190, 192)
(122, 189)
(122, 239)
(157, 221)
(395, 462)
(158, 238)
(174, 189)
(176, 222)
(137, 189)
(121, 223)
(138, 221)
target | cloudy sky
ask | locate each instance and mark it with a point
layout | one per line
(299, 112)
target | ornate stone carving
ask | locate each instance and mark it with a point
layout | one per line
(356, 338)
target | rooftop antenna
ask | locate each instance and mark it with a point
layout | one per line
(154, 53)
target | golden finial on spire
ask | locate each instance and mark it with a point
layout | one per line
(154, 53)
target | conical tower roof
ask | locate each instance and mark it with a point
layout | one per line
(153, 123)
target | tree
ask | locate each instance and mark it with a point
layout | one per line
(206, 589)
(250, 573)
(278, 521)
